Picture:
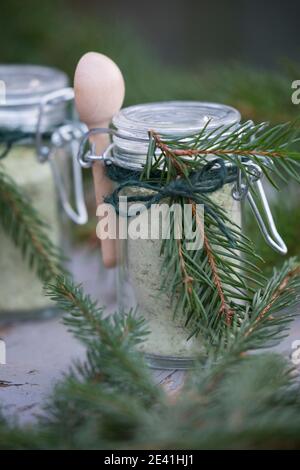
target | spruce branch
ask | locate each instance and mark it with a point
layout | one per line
(233, 400)
(224, 308)
(23, 224)
(268, 316)
(281, 289)
(280, 292)
(218, 282)
(274, 149)
(110, 340)
(265, 324)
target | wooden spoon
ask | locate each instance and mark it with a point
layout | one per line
(99, 93)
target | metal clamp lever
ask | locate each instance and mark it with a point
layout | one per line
(276, 242)
(242, 190)
(86, 159)
(50, 99)
(68, 134)
(79, 215)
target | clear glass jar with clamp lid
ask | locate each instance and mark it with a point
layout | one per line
(138, 258)
(39, 137)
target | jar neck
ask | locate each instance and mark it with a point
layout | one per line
(25, 118)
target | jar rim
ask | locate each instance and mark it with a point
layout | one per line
(173, 117)
(25, 87)
(26, 84)
(178, 119)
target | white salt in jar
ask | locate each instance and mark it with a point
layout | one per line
(140, 260)
(34, 107)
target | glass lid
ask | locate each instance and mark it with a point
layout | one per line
(173, 117)
(170, 118)
(26, 84)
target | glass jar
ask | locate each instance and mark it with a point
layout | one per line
(33, 116)
(139, 258)
(140, 261)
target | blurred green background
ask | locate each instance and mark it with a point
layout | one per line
(241, 53)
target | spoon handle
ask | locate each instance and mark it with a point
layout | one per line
(103, 187)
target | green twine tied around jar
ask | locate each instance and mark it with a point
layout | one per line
(212, 177)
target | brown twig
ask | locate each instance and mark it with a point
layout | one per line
(187, 279)
(192, 152)
(224, 309)
(168, 152)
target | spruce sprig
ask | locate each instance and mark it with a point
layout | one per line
(24, 225)
(231, 400)
(275, 149)
(110, 340)
(213, 285)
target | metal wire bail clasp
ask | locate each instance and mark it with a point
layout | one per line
(87, 158)
(242, 190)
(66, 135)
(50, 99)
